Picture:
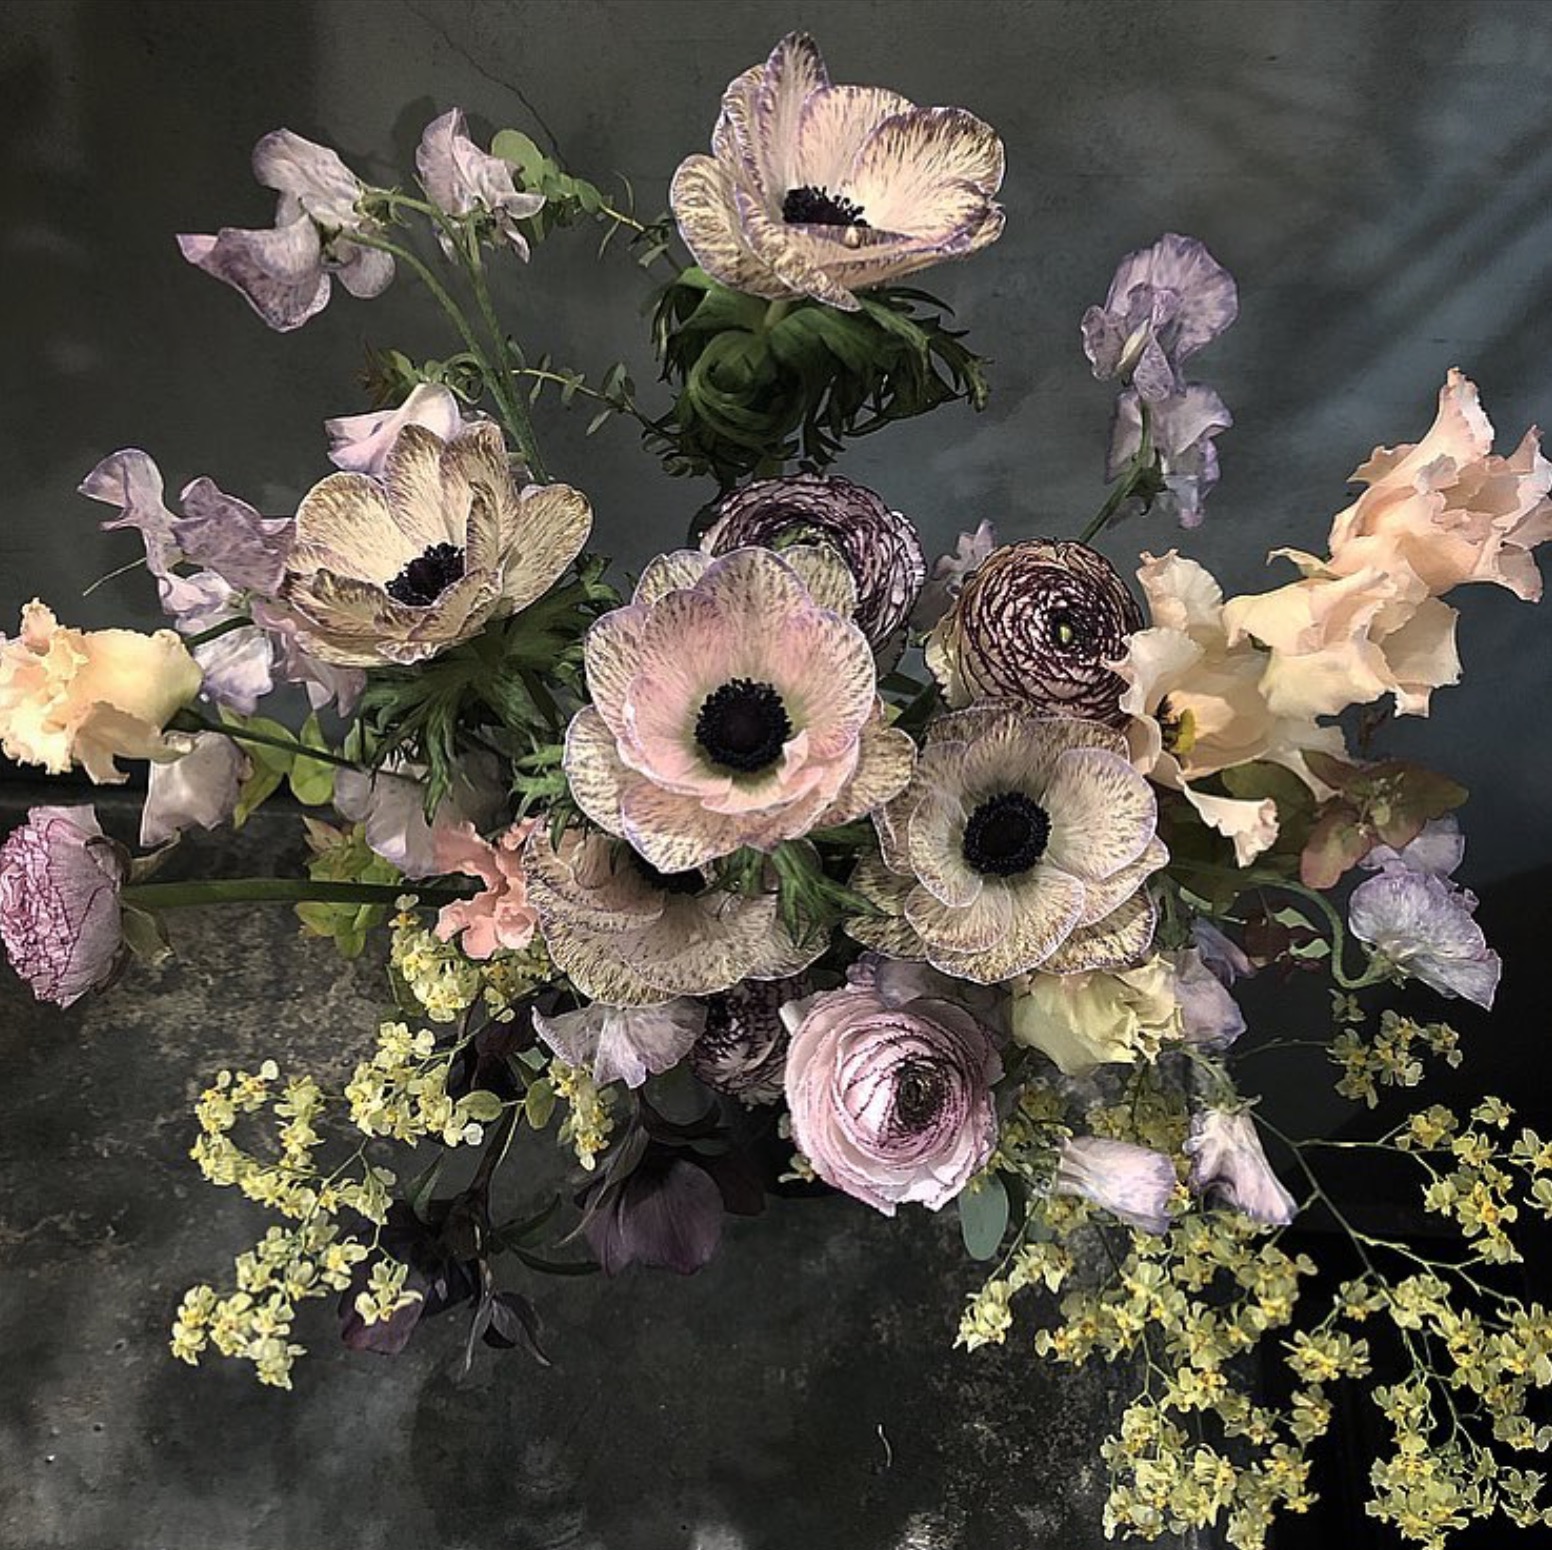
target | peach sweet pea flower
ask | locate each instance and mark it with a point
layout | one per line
(1198, 706)
(72, 697)
(500, 916)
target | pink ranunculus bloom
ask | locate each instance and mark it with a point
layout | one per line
(500, 915)
(1227, 1160)
(360, 443)
(891, 1103)
(71, 697)
(1447, 509)
(60, 877)
(730, 708)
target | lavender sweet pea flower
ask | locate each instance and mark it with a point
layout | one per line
(1423, 925)
(199, 790)
(1184, 425)
(285, 274)
(891, 1103)
(949, 574)
(60, 877)
(461, 179)
(391, 803)
(624, 1044)
(1165, 303)
(1228, 1161)
(1224, 956)
(360, 443)
(1131, 1182)
(1210, 1017)
(1437, 851)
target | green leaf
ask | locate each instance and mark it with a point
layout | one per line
(539, 1103)
(512, 145)
(983, 1216)
(311, 780)
(145, 934)
(481, 1105)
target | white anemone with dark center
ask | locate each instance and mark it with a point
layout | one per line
(1022, 843)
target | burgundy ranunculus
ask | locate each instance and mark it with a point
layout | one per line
(879, 546)
(742, 1051)
(891, 1103)
(1038, 622)
(60, 877)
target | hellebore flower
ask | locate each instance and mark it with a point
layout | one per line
(891, 1103)
(198, 790)
(1447, 509)
(1166, 302)
(1020, 843)
(1183, 428)
(360, 443)
(60, 877)
(1040, 622)
(1423, 926)
(461, 179)
(285, 274)
(1227, 1160)
(629, 935)
(879, 546)
(397, 569)
(1197, 702)
(1131, 1182)
(820, 190)
(742, 1052)
(667, 1216)
(72, 697)
(730, 708)
(624, 1044)
(501, 915)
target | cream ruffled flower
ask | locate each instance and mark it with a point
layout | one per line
(1021, 843)
(1081, 1021)
(1197, 703)
(627, 935)
(820, 190)
(88, 697)
(731, 707)
(397, 568)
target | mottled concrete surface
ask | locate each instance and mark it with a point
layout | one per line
(800, 1392)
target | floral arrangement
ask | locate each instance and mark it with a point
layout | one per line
(799, 863)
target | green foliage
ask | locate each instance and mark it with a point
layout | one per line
(983, 1216)
(757, 384)
(343, 856)
(311, 780)
(615, 394)
(811, 903)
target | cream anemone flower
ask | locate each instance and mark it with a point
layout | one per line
(820, 190)
(1021, 843)
(399, 567)
(1197, 704)
(629, 935)
(732, 708)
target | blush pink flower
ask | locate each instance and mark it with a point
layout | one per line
(891, 1103)
(500, 915)
(731, 708)
(60, 921)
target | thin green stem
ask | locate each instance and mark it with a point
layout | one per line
(216, 631)
(277, 890)
(1137, 470)
(189, 720)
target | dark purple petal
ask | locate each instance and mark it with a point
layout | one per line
(668, 1216)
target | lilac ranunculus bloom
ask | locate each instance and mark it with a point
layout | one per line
(60, 877)
(1165, 303)
(1209, 1015)
(1131, 1182)
(199, 790)
(1228, 1161)
(1423, 925)
(1183, 427)
(360, 443)
(891, 1103)
(285, 273)
(624, 1043)
(461, 179)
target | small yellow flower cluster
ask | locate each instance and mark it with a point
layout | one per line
(588, 1122)
(1476, 1192)
(401, 1093)
(1149, 1113)
(435, 974)
(1392, 1058)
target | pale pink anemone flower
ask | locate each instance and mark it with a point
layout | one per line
(629, 935)
(732, 708)
(1021, 843)
(501, 915)
(820, 190)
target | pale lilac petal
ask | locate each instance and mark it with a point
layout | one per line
(1424, 926)
(1437, 851)
(624, 1044)
(238, 669)
(460, 178)
(311, 174)
(279, 272)
(1228, 1161)
(360, 443)
(1131, 1182)
(199, 790)
(130, 480)
(1223, 956)
(1210, 1016)
(391, 804)
(226, 535)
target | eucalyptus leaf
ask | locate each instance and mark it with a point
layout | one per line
(983, 1216)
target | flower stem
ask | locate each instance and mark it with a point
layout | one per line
(189, 720)
(216, 631)
(1140, 467)
(277, 890)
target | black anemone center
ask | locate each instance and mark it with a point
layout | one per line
(427, 576)
(918, 1095)
(1006, 834)
(810, 206)
(667, 882)
(743, 726)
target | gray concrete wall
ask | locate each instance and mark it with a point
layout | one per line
(1378, 173)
